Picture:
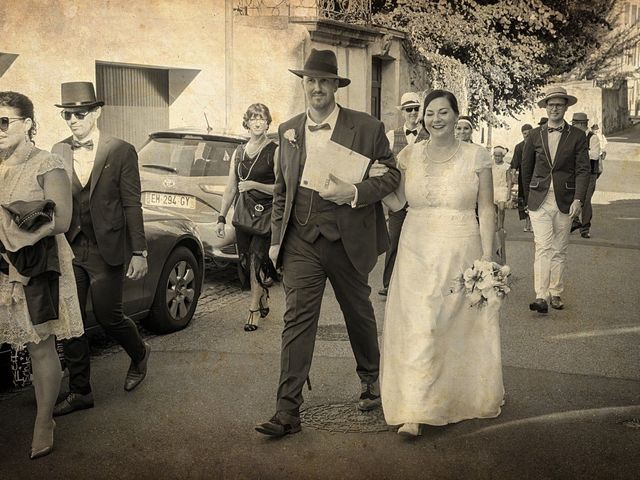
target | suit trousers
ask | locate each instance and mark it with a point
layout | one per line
(396, 219)
(105, 284)
(587, 210)
(551, 229)
(306, 267)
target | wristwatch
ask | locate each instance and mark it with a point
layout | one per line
(142, 254)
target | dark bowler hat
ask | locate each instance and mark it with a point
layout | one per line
(543, 120)
(322, 64)
(77, 95)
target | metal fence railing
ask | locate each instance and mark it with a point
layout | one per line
(348, 11)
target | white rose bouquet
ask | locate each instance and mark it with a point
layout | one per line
(484, 281)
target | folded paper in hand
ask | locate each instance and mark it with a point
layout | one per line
(334, 159)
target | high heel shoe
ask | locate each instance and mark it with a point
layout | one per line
(46, 449)
(409, 430)
(264, 306)
(250, 325)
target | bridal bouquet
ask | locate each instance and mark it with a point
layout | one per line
(483, 281)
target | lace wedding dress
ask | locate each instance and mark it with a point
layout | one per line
(440, 357)
(24, 182)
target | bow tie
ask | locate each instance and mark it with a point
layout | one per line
(557, 129)
(411, 132)
(322, 126)
(75, 145)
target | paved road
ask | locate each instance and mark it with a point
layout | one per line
(572, 386)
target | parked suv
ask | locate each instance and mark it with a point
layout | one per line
(186, 171)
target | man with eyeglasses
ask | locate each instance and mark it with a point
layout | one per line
(409, 133)
(555, 178)
(106, 235)
(583, 222)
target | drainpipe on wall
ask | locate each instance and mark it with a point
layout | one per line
(228, 63)
(489, 126)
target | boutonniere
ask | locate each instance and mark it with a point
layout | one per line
(291, 136)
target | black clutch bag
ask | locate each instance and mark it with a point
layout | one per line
(30, 216)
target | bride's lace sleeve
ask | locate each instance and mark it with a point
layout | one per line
(482, 159)
(404, 157)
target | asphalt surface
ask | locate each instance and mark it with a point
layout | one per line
(571, 377)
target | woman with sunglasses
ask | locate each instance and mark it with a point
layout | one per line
(30, 174)
(251, 176)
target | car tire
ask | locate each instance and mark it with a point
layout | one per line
(177, 292)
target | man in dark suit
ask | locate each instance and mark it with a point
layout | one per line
(106, 235)
(516, 163)
(581, 120)
(335, 233)
(555, 177)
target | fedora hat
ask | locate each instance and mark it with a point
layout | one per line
(409, 99)
(322, 64)
(557, 92)
(78, 95)
(580, 117)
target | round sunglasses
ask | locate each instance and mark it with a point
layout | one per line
(6, 121)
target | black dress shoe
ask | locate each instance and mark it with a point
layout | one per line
(575, 226)
(383, 291)
(73, 402)
(556, 302)
(585, 234)
(539, 305)
(370, 397)
(137, 371)
(281, 424)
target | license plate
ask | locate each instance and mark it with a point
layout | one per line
(170, 200)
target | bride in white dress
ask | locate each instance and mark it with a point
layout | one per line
(440, 357)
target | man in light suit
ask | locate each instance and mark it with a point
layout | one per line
(106, 235)
(337, 233)
(555, 177)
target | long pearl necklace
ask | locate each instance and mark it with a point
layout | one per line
(23, 165)
(252, 150)
(426, 151)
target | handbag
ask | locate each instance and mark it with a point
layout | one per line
(31, 215)
(250, 216)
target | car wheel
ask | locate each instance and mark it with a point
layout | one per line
(177, 292)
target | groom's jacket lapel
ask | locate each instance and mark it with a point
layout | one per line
(344, 130)
(299, 155)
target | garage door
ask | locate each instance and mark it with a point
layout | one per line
(136, 101)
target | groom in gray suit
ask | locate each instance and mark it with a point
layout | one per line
(337, 233)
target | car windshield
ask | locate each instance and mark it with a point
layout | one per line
(187, 157)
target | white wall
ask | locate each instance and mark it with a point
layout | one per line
(60, 40)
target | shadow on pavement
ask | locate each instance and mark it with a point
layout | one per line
(631, 135)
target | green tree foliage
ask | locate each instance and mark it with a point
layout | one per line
(497, 55)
